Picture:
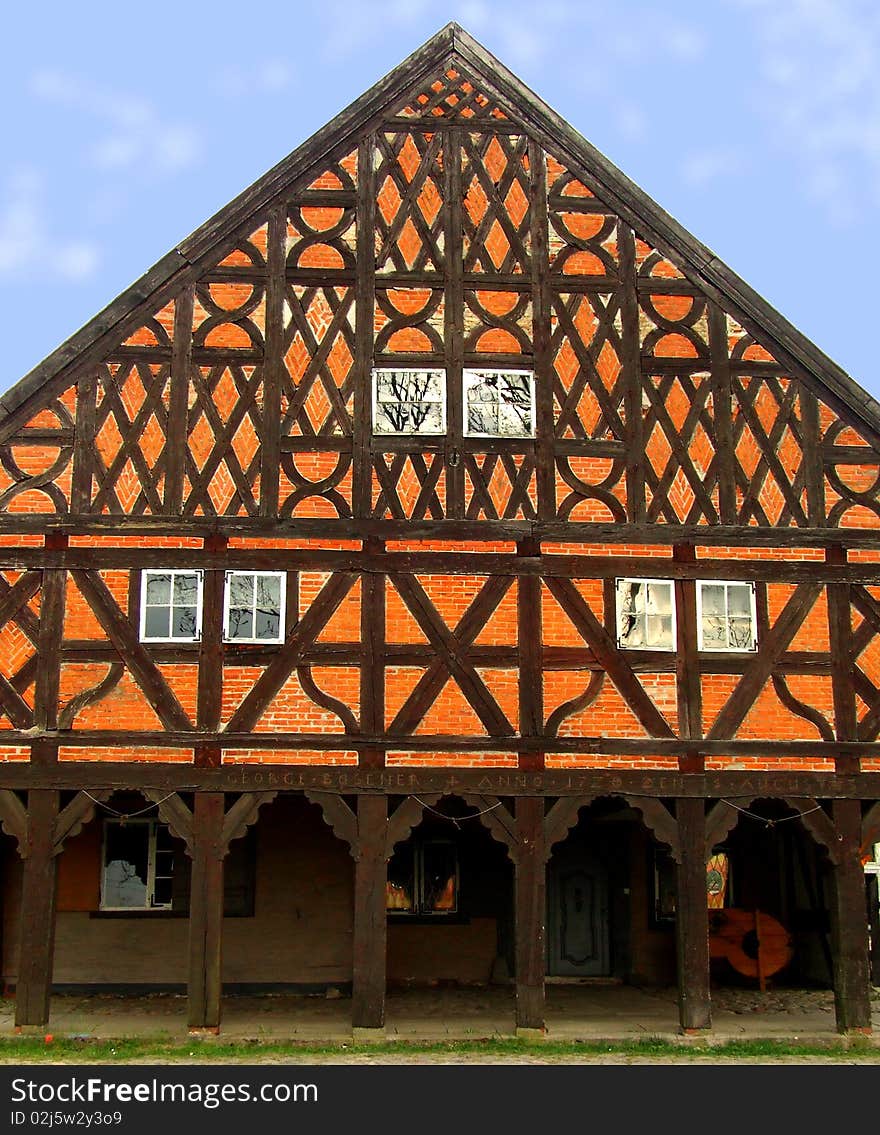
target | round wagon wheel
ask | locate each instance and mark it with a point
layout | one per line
(752, 952)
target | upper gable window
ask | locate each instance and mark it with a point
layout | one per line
(171, 606)
(409, 401)
(726, 616)
(645, 614)
(499, 403)
(254, 606)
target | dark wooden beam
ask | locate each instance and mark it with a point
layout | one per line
(176, 442)
(840, 634)
(691, 918)
(210, 689)
(849, 926)
(36, 948)
(370, 918)
(687, 661)
(206, 912)
(530, 914)
(51, 636)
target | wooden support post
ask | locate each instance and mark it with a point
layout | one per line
(692, 918)
(849, 925)
(370, 931)
(206, 912)
(37, 942)
(530, 915)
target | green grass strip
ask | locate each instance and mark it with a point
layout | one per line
(122, 1050)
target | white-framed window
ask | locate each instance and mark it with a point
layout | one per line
(137, 865)
(499, 403)
(726, 616)
(171, 605)
(645, 614)
(409, 400)
(253, 606)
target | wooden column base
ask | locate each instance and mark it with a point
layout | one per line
(362, 1034)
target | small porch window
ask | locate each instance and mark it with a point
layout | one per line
(423, 879)
(726, 616)
(645, 614)
(137, 866)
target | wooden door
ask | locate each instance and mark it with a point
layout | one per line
(577, 916)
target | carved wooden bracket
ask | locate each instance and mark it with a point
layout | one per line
(658, 819)
(70, 820)
(720, 822)
(242, 814)
(497, 820)
(175, 814)
(870, 829)
(819, 824)
(561, 818)
(406, 816)
(14, 819)
(338, 816)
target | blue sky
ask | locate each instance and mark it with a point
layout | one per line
(755, 123)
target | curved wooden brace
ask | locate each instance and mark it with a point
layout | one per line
(90, 696)
(326, 701)
(175, 814)
(561, 818)
(658, 819)
(406, 816)
(870, 829)
(14, 819)
(497, 821)
(818, 823)
(71, 818)
(243, 813)
(720, 822)
(337, 816)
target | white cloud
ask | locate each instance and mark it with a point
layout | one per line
(28, 246)
(130, 128)
(702, 166)
(818, 90)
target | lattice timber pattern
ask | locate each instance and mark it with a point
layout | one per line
(445, 238)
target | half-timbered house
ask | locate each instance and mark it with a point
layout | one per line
(439, 567)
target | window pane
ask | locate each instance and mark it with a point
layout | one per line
(714, 632)
(267, 625)
(741, 634)
(409, 417)
(409, 386)
(241, 590)
(712, 599)
(162, 891)
(482, 418)
(183, 622)
(269, 592)
(658, 598)
(438, 877)
(126, 850)
(158, 589)
(186, 589)
(658, 630)
(739, 600)
(515, 421)
(241, 622)
(157, 621)
(400, 889)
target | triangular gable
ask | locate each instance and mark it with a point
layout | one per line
(738, 409)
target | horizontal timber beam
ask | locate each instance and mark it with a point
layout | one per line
(404, 781)
(452, 530)
(552, 565)
(437, 743)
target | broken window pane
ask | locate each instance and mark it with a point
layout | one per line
(645, 614)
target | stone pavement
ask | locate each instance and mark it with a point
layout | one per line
(583, 1011)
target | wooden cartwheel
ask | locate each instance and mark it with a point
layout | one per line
(754, 943)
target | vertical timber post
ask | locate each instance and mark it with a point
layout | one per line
(370, 918)
(530, 915)
(37, 944)
(206, 913)
(849, 924)
(692, 918)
